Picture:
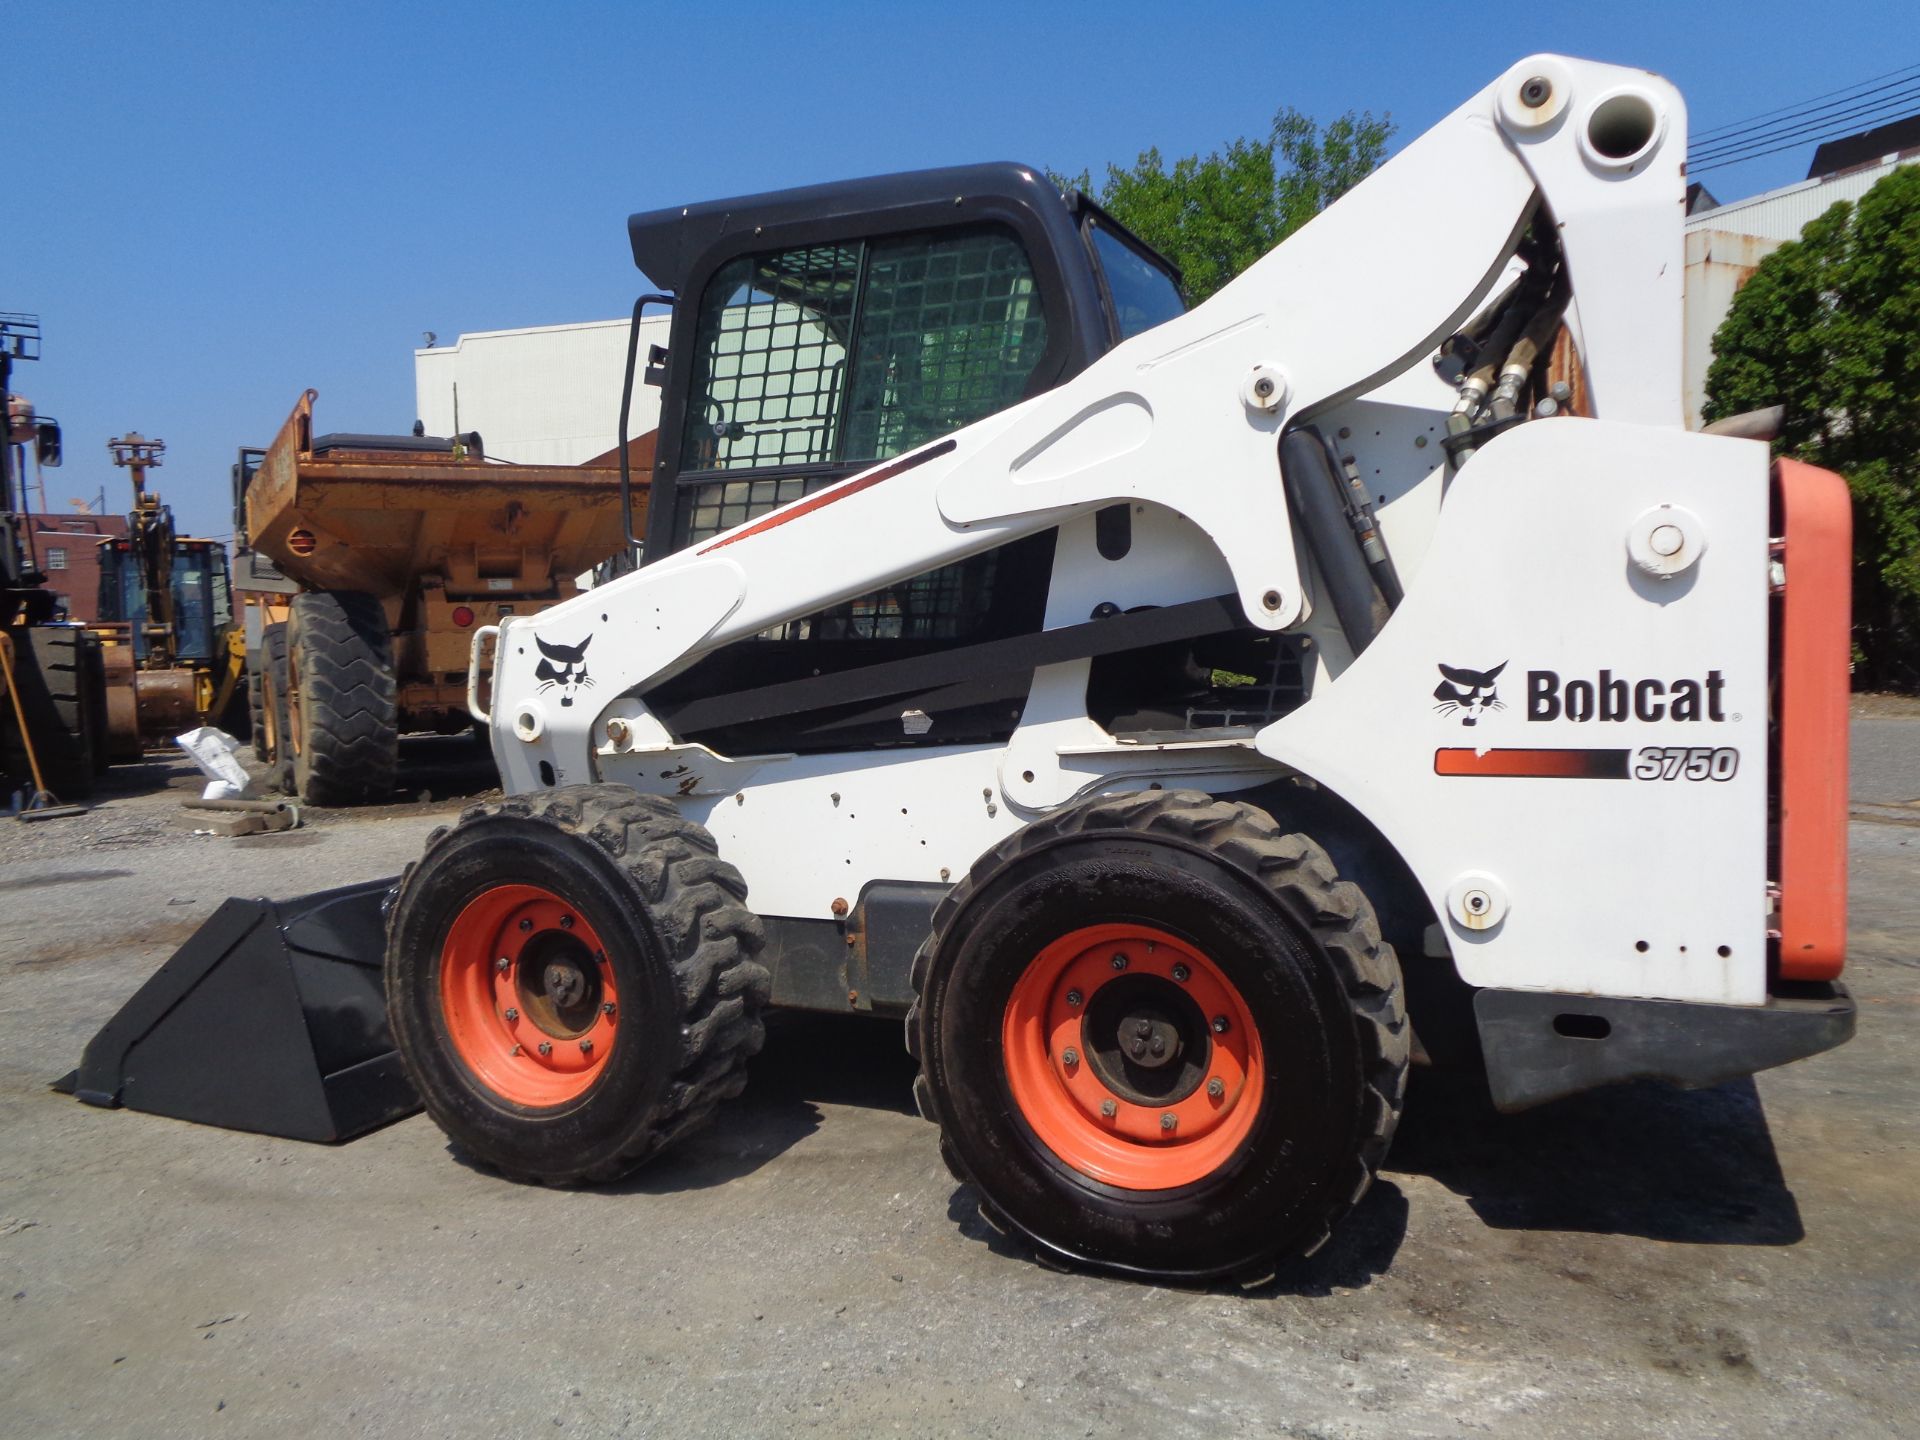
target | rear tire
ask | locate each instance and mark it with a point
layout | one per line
(1272, 1005)
(55, 672)
(551, 883)
(270, 737)
(342, 716)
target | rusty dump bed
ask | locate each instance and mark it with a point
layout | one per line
(375, 520)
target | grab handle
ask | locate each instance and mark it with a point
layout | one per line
(473, 672)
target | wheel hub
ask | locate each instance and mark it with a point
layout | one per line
(1122, 1071)
(521, 971)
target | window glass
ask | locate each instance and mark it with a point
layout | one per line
(56, 557)
(770, 360)
(1144, 295)
(950, 330)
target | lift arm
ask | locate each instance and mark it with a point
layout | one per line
(1188, 415)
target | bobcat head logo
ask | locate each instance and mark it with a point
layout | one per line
(1471, 692)
(564, 666)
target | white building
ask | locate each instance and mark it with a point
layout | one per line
(545, 395)
(1726, 243)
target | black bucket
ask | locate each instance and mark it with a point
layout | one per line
(271, 1018)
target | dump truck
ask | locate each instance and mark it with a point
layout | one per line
(1183, 720)
(366, 561)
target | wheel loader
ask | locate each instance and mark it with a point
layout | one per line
(1183, 720)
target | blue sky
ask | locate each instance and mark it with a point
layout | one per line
(214, 205)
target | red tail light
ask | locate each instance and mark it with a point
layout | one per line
(462, 616)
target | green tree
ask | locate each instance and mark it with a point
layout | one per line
(1214, 215)
(1829, 327)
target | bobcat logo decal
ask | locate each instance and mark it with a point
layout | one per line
(564, 666)
(1471, 692)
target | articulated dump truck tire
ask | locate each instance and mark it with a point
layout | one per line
(571, 980)
(270, 727)
(343, 721)
(1161, 1038)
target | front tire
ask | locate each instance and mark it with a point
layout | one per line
(1161, 1038)
(628, 955)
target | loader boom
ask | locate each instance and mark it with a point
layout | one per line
(1171, 417)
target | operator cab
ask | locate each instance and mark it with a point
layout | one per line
(820, 330)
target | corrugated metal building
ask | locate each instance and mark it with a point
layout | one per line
(1725, 243)
(545, 395)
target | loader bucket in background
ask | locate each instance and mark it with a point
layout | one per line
(271, 1018)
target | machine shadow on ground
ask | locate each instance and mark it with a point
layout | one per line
(1694, 1167)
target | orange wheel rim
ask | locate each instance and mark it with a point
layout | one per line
(1079, 1045)
(528, 995)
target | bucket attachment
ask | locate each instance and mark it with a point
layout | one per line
(272, 1018)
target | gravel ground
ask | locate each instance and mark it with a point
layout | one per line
(1640, 1261)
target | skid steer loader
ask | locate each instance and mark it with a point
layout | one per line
(1183, 719)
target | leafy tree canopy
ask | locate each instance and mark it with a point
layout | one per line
(1829, 327)
(1214, 215)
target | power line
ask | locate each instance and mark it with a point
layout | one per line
(1802, 106)
(1787, 129)
(1892, 105)
(1704, 167)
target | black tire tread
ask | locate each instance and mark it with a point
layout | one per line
(1301, 877)
(349, 710)
(695, 903)
(55, 676)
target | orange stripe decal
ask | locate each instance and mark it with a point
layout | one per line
(1533, 764)
(827, 497)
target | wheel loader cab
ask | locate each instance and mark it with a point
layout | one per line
(818, 331)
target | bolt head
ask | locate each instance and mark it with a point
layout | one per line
(606, 1007)
(1109, 1109)
(1180, 973)
(1536, 92)
(526, 925)
(1074, 997)
(512, 1014)
(566, 922)
(1120, 961)
(546, 1047)
(1219, 1024)
(1263, 387)
(1168, 1122)
(1216, 1087)
(586, 1047)
(1070, 1057)
(503, 963)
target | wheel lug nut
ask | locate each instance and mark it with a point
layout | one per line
(1216, 1087)
(514, 1051)
(1143, 1028)
(1120, 961)
(1180, 973)
(526, 925)
(1073, 997)
(503, 963)
(1070, 1057)
(1167, 1122)
(1219, 1024)
(1109, 1109)
(586, 1047)
(1159, 1046)
(546, 1047)
(566, 922)
(512, 1014)
(607, 1008)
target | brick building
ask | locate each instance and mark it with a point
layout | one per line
(67, 549)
